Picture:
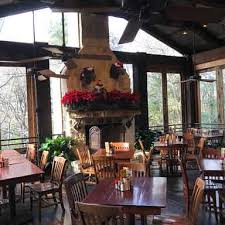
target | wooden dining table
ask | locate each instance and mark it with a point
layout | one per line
(212, 167)
(19, 170)
(119, 156)
(146, 197)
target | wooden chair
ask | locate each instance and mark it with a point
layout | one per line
(120, 146)
(43, 160)
(189, 139)
(138, 169)
(104, 167)
(145, 155)
(211, 153)
(31, 153)
(200, 146)
(42, 164)
(86, 165)
(91, 214)
(192, 218)
(76, 192)
(40, 191)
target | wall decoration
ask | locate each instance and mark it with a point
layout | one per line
(87, 76)
(95, 138)
(117, 70)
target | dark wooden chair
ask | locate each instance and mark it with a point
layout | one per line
(104, 167)
(86, 164)
(40, 191)
(76, 192)
(192, 218)
(99, 214)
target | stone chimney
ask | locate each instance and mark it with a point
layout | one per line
(95, 41)
(112, 125)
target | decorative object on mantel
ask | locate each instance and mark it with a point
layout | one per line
(87, 76)
(90, 100)
(117, 70)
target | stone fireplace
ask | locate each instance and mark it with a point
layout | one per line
(106, 125)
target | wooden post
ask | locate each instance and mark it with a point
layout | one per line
(165, 102)
(220, 95)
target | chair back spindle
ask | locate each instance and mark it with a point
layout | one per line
(98, 214)
(58, 168)
(44, 159)
(104, 167)
(76, 191)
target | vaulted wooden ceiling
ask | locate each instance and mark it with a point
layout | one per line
(175, 22)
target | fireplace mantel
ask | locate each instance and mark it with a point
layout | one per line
(74, 114)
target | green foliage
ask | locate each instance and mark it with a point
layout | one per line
(60, 146)
(147, 137)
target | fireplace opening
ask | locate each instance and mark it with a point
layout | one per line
(112, 132)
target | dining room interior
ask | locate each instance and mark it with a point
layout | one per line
(112, 112)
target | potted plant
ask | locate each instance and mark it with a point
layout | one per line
(148, 137)
(60, 146)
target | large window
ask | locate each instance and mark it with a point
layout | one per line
(208, 98)
(18, 28)
(56, 95)
(13, 104)
(48, 28)
(155, 103)
(143, 42)
(174, 98)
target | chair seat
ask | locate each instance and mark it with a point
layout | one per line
(88, 170)
(170, 219)
(44, 187)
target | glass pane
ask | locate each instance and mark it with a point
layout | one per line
(48, 27)
(155, 101)
(18, 28)
(56, 107)
(143, 42)
(174, 98)
(13, 105)
(72, 29)
(129, 70)
(208, 98)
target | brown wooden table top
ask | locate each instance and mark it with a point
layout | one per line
(19, 170)
(147, 194)
(119, 155)
(212, 166)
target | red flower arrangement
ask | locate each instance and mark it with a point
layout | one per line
(88, 100)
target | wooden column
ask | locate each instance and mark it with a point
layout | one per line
(140, 86)
(31, 102)
(220, 95)
(165, 102)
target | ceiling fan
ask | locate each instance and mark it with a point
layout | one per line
(196, 78)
